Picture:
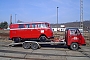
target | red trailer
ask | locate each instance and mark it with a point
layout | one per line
(73, 39)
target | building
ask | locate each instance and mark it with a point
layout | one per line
(61, 28)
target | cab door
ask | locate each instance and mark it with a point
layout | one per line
(72, 36)
(80, 37)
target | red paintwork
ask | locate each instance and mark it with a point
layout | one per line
(30, 32)
(77, 38)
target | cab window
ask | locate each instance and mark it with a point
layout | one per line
(72, 32)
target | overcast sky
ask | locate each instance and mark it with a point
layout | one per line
(43, 10)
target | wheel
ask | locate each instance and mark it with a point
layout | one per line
(42, 38)
(34, 46)
(26, 45)
(74, 46)
(16, 40)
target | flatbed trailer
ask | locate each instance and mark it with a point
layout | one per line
(52, 43)
(35, 45)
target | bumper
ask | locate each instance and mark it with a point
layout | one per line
(83, 44)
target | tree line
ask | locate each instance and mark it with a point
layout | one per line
(4, 25)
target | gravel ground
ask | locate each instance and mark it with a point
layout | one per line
(45, 53)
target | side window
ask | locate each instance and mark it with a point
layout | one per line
(42, 25)
(34, 25)
(72, 32)
(21, 26)
(27, 25)
(39, 25)
(47, 25)
(78, 32)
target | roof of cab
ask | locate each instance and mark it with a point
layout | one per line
(71, 28)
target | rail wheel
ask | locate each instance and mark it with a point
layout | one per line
(74, 46)
(26, 45)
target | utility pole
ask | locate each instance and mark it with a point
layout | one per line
(15, 18)
(57, 18)
(81, 14)
(11, 19)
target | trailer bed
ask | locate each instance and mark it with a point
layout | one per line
(52, 43)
